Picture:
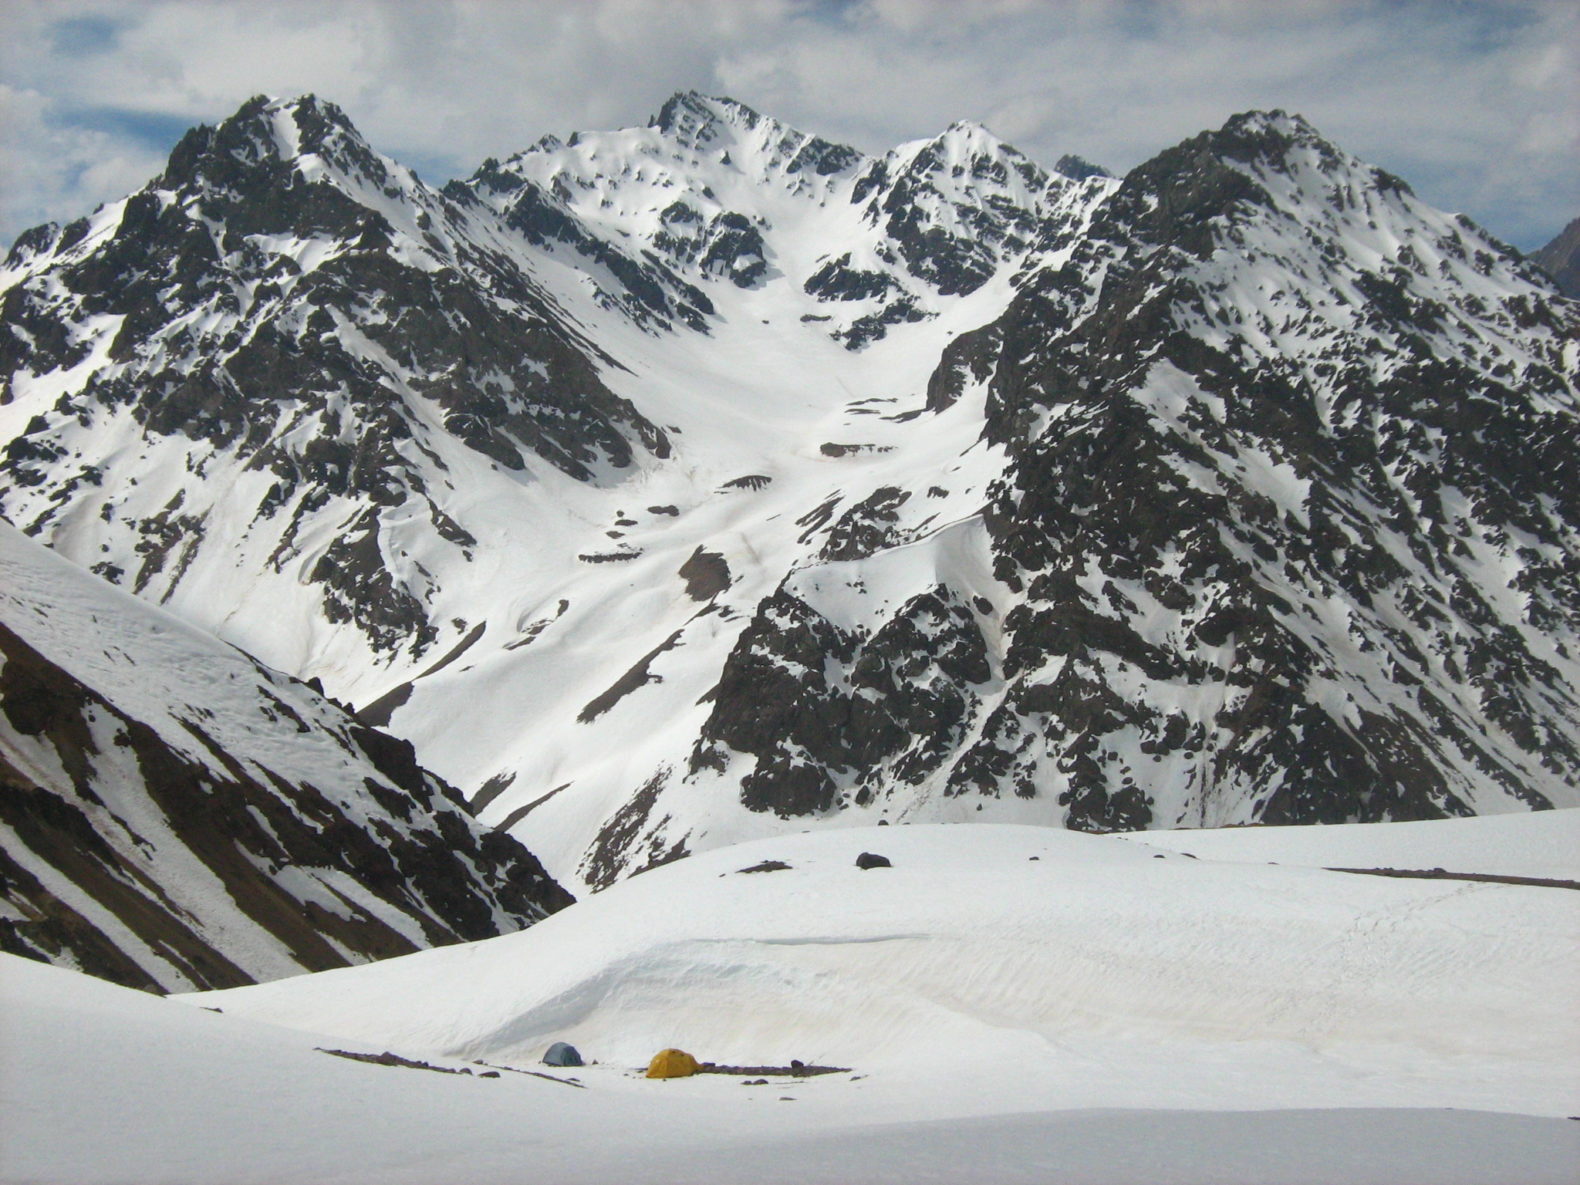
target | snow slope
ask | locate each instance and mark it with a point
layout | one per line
(1013, 1004)
(1036, 948)
(175, 815)
(1543, 845)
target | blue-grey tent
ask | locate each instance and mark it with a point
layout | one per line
(561, 1054)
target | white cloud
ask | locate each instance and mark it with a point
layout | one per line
(1474, 104)
(58, 173)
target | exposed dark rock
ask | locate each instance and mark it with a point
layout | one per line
(767, 866)
(1140, 552)
(632, 842)
(490, 790)
(706, 574)
(1077, 169)
(634, 678)
(866, 527)
(394, 1059)
(900, 707)
(837, 280)
(1103, 502)
(1282, 530)
(735, 249)
(968, 358)
(521, 812)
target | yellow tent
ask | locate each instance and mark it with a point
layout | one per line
(672, 1063)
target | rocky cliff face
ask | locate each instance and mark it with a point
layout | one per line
(1282, 462)
(726, 476)
(176, 816)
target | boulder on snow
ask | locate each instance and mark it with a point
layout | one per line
(872, 860)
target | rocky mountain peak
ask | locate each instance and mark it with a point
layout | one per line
(311, 312)
(1258, 163)
(33, 241)
(965, 147)
(266, 129)
(728, 133)
(696, 121)
(1078, 168)
(970, 131)
(1278, 144)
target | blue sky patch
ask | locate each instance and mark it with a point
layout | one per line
(85, 36)
(153, 130)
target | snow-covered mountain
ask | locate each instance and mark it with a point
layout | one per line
(714, 191)
(175, 815)
(266, 364)
(724, 479)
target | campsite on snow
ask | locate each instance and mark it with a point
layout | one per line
(1012, 1003)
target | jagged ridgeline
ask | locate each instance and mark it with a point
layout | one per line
(725, 478)
(303, 318)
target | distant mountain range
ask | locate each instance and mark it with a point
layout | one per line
(679, 485)
(1561, 258)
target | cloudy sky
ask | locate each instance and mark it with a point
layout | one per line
(1476, 104)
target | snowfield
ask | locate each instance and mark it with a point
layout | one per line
(1008, 1004)
(1542, 845)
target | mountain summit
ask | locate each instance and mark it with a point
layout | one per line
(731, 479)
